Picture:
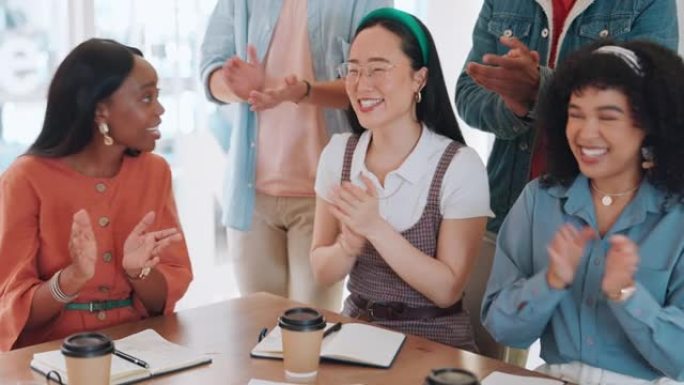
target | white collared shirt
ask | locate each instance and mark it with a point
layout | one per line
(464, 193)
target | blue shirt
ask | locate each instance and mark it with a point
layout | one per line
(233, 25)
(642, 337)
(531, 21)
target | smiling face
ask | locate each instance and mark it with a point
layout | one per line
(604, 137)
(381, 84)
(133, 112)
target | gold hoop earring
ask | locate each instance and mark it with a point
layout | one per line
(419, 97)
(104, 130)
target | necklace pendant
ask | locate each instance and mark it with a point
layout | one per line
(606, 200)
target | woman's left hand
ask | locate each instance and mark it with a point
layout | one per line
(621, 265)
(141, 250)
(357, 208)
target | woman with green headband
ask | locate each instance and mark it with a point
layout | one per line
(401, 203)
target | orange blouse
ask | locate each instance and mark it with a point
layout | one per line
(38, 198)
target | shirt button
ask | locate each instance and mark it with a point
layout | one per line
(103, 289)
(101, 315)
(597, 262)
(590, 341)
(545, 33)
(103, 221)
(252, 144)
(107, 257)
(508, 33)
(101, 187)
(250, 185)
(523, 146)
(604, 33)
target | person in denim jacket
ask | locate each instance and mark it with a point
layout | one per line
(511, 60)
(295, 46)
(591, 256)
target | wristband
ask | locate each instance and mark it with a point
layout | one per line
(623, 295)
(307, 93)
(56, 290)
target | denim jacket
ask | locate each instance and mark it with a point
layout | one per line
(233, 25)
(531, 22)
(641, 337)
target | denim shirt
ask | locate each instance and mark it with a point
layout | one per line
(530, 21)
(233, 25)
(641, 337)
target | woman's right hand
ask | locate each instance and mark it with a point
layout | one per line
(565, 251)
(82, 247)
(293, 90)
(351, 242)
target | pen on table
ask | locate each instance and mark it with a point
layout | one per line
(132, 359)
(332, 329)
(262, 334)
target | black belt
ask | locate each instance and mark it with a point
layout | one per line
(370, 310)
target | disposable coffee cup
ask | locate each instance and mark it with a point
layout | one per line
(88, 358)
(302, 332)
(451, 376)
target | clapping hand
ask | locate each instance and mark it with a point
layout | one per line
(565, 252)
(622, 261)
(351, 242)
(357, 208)
(514, 76)
(292, 90)
(242, 76)
(82, 246)
(141, 250)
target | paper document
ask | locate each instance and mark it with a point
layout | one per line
(499, 378)
(255, 381)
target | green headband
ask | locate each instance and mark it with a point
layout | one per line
(407, 20)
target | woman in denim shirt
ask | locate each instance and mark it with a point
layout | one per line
(591, 256)
(531, 23)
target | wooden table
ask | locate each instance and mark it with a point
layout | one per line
(227, 331)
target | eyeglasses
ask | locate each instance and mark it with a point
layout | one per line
(375, 71)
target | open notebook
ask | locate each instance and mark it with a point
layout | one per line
(354, 343)
(162, 356)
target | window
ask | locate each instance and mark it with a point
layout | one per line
(30, 43)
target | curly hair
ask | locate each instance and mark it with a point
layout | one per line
(656, 99)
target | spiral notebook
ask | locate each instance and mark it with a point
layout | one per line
(354, 343)
(162, 356)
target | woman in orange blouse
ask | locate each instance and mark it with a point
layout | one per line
(89, 233)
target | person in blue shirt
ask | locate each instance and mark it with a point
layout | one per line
(591, 256)
(250, 49)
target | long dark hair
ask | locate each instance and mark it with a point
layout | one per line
(435, 109)
(89, 74)
(656, 99)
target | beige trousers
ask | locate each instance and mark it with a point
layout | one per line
(274, 255)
